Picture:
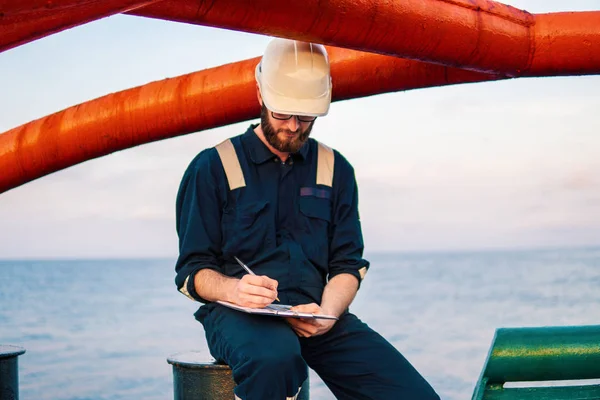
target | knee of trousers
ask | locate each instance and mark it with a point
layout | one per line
(283, 365)
(270, 374)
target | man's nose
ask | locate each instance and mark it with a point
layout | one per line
(293, 123)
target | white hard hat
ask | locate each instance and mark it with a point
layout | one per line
(293, 78)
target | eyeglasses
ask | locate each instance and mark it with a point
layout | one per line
(285, 117)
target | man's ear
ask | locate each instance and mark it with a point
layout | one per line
(258, 96)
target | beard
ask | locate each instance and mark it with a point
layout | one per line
(286, 144)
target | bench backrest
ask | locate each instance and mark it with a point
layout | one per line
(541, 354)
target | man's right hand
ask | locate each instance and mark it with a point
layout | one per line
(254, 291)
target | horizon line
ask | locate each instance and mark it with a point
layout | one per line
(378, 252)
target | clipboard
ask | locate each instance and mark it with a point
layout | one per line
(276, 310)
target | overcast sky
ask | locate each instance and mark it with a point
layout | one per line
(512, 164)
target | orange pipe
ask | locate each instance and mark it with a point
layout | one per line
(487, 36)
(565, 44)
(13, 7)
(24, 21)
(479, 35)
(186, 104)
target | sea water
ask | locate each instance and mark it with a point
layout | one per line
(102, 329)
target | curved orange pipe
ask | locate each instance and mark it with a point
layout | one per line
(486, 35)
(22, 22)
(13, 7)
(479, 35)
(189, 103)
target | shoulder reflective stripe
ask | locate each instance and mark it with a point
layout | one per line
(231, 164)
(184, 290)
(362, 272)
(325, 162)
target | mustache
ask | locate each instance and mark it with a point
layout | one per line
(283, 130)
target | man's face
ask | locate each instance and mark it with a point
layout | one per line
(286, 136)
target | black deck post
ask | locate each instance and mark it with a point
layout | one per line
(9, 372)
(197, 377)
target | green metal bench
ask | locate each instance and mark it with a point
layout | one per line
(539, 355)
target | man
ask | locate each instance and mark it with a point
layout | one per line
(288, 207)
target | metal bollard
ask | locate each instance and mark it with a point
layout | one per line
(9, 372)
(197, 378)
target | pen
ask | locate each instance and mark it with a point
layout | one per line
(248, 270)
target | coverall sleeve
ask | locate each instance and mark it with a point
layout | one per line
(198, 221)
(346, 245)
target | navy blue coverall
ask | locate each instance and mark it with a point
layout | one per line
(285, 226)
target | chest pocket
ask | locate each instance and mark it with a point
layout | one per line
(246, 229)
(315, 218)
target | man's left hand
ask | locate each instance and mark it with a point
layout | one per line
(308, 327)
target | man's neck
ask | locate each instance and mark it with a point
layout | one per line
(261, 135)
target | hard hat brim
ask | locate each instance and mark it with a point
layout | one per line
(315, 107)
(285, 105)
